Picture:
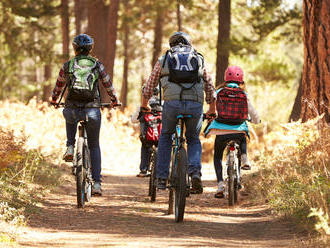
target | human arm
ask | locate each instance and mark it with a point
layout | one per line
(209, 92)
(253, 113)
(150, 85)
(60, 84)
(107, 83)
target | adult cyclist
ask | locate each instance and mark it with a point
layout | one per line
(81, 75)
(181, 97)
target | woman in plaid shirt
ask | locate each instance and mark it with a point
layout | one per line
(180, 102)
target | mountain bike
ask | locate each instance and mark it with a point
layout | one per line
(233, 163)
(179, 181)
(82, 167)
(152, 178)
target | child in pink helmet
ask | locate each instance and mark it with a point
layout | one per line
(233, 79)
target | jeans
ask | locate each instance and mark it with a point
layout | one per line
(72, 117)
(193, 127)
(220, 145)
(145, 157)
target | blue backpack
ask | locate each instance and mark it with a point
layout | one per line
(183, 64)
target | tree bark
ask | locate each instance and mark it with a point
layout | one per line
(65, 28)
(158, 32)
(47, 88)
(316, 70)
(296, 109)
(112, 36)
(78, 15)
(223, 44)
(178, 15)
(124, 86)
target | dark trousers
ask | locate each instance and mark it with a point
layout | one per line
(220, 145)
(145, 156)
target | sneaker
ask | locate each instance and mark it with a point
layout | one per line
(161, 183)
(142, 174)
(220, 190)
(68, 155)
(245, 162)
(197, 186)
(96, 189)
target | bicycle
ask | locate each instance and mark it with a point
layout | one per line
(152, 170)
(233, 180)
(82, 167)
(179, 181)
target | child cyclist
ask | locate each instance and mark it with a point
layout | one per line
(233, 81)
(151, 121)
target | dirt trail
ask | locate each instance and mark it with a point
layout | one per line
(124, 217)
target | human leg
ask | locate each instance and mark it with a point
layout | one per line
(145, 159)
(93, 132)
(71, 121)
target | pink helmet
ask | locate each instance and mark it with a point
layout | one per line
(234, 73)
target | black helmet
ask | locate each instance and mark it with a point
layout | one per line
(179, 37)
(83, 43)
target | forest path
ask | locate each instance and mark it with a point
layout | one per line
(124, 217)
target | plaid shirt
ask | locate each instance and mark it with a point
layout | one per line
(155, 76)
(62, 81)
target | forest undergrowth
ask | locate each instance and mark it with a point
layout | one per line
(292, 161)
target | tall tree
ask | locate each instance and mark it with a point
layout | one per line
(65, 28)
(126, 26)
(223, 44)
(78, 15)
(112, 36)
(178, 15)
(158, 35)
(316, 71)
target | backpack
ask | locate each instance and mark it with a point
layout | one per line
(232, 106)
(150, 127)
(183, 64)
(83, 75)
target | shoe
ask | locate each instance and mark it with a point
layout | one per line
(161, 183)
(142, 174)
(197, 186)
(220, 190)
(96, 189)
(68, 155)
(245, 162)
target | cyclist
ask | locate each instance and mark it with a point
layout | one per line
(81, 76)
(233, 79)
(146, 146)
(181, 98)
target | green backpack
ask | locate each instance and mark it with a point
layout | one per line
(83, 75)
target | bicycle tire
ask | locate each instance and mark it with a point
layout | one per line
(87, 182)
(180, 185)
(80, 174)
(171, 189)
(231, 186)
(152, 179)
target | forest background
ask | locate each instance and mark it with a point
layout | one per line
(283, 47)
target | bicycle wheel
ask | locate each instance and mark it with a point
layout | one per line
(232, 189)
(180, 185)
(80, 173)
(87, 175)
(152, 179)
(172, 180)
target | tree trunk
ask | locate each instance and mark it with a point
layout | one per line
(178, 15)
(124, 86)
(47, 88)
(158, 32)
(316, 71)
(78, 15)
(112, 36)
(223, 40)
(65, 28)
(296, 109)
(97, 26)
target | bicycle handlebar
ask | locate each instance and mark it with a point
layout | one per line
(62, 104)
